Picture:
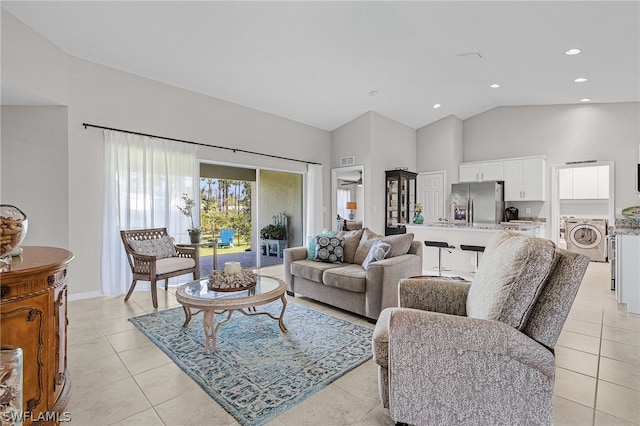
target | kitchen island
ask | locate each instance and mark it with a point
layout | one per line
(462, 262)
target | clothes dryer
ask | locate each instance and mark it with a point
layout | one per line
(588, 237)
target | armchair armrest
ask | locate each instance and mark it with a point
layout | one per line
(142, 263)
(184, 251)
(434, 294)
(466, 369)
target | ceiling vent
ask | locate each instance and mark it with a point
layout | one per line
(347, 161)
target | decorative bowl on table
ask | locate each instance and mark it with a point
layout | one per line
(13, 229)
(236, 281)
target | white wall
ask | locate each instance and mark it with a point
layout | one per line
(34, 66)
(439, 147)
(34, 168)
(392, 145)
(603, 132)
(380, 144)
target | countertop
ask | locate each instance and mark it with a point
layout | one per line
(479, 226)
(626, 231)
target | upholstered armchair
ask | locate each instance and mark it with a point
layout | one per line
(479, 353)
(153, 256)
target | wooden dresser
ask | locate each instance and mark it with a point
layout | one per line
(33, 316)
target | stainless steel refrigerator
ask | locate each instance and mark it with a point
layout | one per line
(477, 202)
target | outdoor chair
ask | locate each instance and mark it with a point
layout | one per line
(153, 256)
(226, 237)
(479, 353)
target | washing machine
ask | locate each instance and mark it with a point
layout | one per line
(588, 237)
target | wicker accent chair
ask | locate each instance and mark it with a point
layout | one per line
(153, 265)
(479, 353)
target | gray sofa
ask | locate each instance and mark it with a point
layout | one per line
(479, 354)
(348, 285)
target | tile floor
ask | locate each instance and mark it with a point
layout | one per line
(119, 377)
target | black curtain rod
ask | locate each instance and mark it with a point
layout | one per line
(198, 143)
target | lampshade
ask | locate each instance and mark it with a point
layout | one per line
(352, 205)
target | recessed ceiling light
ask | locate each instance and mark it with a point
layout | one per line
(580, 80)
(436, 106)
(585, 100)
(572, 51)
(373, 93)
(494, 86)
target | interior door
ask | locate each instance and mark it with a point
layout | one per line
(431, 195)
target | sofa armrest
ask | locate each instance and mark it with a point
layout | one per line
(382, 281)
(290, 255)
(466, 368)
(434, 294)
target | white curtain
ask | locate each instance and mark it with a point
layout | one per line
(143, 184)
(342, 197)
(315, 205)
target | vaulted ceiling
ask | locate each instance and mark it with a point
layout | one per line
(325, 63)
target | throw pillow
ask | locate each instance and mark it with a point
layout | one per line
(400, 244)
(329, 249)
(378, 251)
(351, 241)
(311, 243)
(161, 248)
(368, 238)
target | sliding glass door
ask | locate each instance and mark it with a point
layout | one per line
(243, 208)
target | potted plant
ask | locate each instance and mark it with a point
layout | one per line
(187, 210)
(273, 232)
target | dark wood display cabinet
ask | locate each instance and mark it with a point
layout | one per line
(399, 201)
(33, 316)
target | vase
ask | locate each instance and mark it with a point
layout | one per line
(418, 219)
(194, 235)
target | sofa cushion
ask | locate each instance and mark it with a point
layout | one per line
(368, 238)
(172, 264)
(159, 247)
(329, 249)
(400, 244)
(346, 277)
(311, 270)
(378, 251)
(351, 241)
(510, 277)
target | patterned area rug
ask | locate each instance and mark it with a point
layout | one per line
(257, 372)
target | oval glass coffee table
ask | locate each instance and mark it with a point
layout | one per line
(196, 295)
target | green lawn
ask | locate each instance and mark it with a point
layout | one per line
(208, 251)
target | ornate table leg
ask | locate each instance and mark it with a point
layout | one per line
(187, 315)
(209, 331)
(280, 319)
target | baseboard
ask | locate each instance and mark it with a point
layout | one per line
(82, 296)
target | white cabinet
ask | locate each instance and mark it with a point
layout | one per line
(479, 172)
(524, 179)
(584, 183)
(565, 184)
(627, 271)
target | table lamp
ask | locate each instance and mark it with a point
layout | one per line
(351, 206)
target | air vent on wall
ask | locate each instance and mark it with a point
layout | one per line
(347, 161)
